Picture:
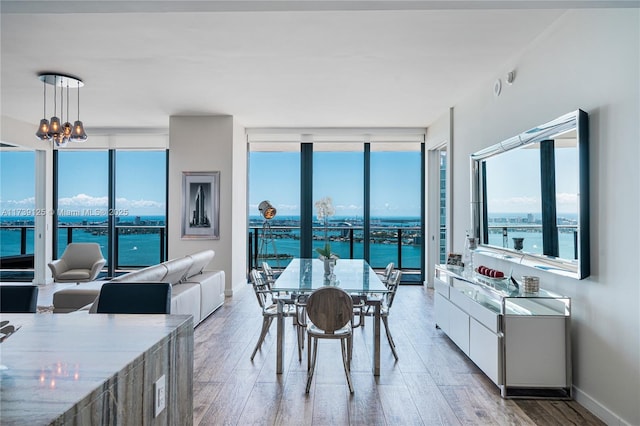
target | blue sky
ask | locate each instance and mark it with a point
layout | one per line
(83, 180)
(395, 182)
(514, 187)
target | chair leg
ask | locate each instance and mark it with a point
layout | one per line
(345, 361)
(266, 323)
(300, 331)
(385, 321)
(311, 361)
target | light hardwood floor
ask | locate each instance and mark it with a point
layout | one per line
(432, 383)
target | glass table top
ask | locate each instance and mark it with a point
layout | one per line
(306, 275)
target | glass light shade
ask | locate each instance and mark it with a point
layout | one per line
(43, 130)
(78, 134)
(66, 130)
(54, 127)
(60, 140)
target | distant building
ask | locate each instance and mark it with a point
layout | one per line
(200, 218)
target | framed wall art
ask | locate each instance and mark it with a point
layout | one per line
(201, 205)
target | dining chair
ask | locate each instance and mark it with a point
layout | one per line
(301, 322)
(268, 303)
(330, 310)
(18, 299)
(384, 277)
(387, 301)
(134, 298)
(268, 273)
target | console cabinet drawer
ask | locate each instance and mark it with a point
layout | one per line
(441, 287)
(484, 350)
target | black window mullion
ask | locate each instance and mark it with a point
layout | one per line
(548, 194)
(306, 200)
(112, 250)
(367, 203)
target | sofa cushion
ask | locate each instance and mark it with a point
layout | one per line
(199, 261)
(211, 291)
(185, 300)
(176, 269)
(152, 273)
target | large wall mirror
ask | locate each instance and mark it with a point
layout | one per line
(530, 197)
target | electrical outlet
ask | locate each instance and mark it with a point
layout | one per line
(159, 395)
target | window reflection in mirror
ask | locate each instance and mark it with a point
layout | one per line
(513, 199)
(530, 196)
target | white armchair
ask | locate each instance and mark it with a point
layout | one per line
(80, 263)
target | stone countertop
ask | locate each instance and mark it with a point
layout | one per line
(54, 363)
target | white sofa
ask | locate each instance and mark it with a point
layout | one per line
(194, 290)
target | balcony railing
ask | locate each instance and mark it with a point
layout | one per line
(279, 244)
(144, 245)
(567, 237)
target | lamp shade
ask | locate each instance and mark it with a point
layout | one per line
(267, 210)
(66, 129)
(54, 127)
(77, 133)
(43, 130)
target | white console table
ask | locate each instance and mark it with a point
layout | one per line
(521, 341)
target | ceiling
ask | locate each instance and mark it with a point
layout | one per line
(268, 63)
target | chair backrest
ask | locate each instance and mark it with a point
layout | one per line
(134, 298)
(392, 286)
(261, 288)
(330, 308)
(387, 272)
(18, 299)
(268, 272)
(81, 255)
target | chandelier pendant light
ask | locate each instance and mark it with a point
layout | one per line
(43, 128)
(77, 132)
(52, 129)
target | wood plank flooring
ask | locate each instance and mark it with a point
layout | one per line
(432, 383)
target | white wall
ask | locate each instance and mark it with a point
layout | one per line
(589, 59)
(202, 144)
(239, 208)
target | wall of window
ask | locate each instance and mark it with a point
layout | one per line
(140, 207)
(338, 174)
(81, 198)
(17, 202)
(396, 205)
(376, 191)
(274, 173)
(116, 198)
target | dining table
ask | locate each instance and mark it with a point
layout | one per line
(303, 276)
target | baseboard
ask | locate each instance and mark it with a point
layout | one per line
(599, 410)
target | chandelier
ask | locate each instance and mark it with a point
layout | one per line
(60, 134)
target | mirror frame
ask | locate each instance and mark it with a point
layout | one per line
(577, 120)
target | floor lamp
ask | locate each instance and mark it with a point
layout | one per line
(268, 212)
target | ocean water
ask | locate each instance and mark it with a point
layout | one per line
(144, 249)
(133, 249)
